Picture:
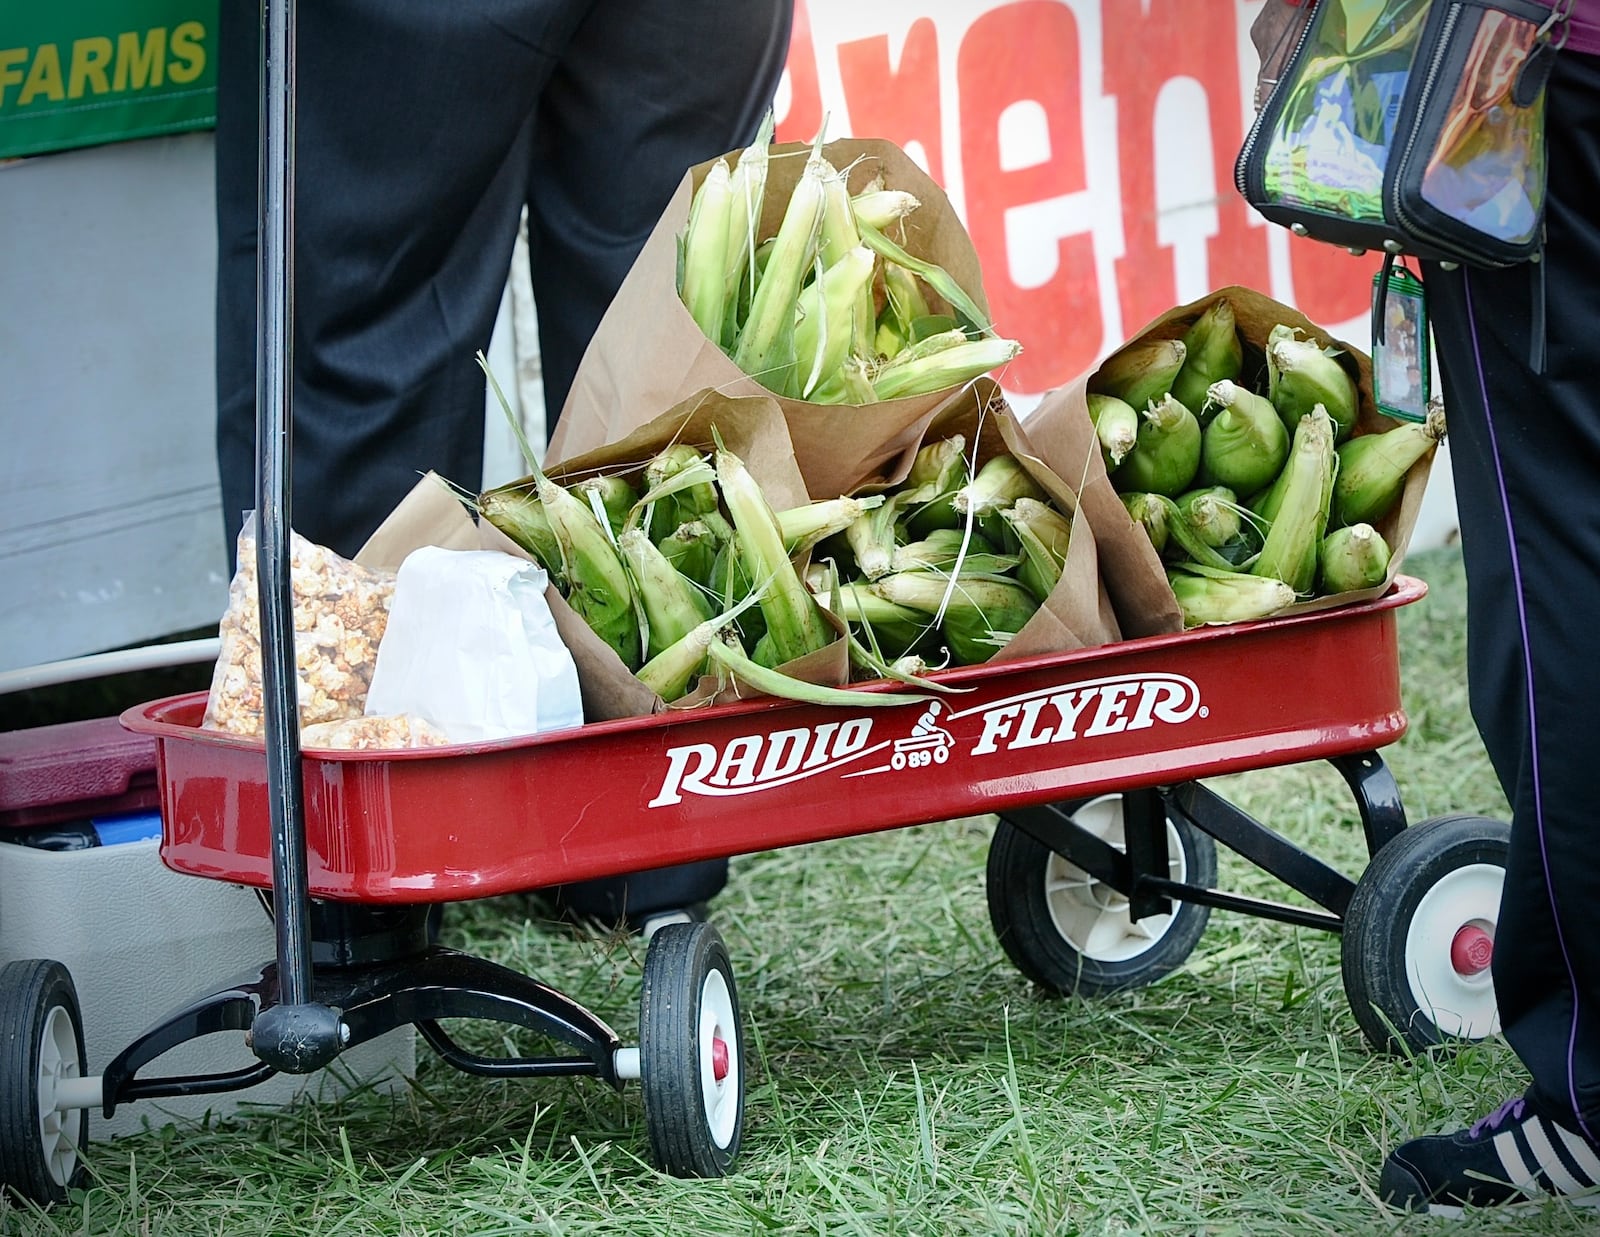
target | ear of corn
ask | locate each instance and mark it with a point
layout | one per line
(765, 679)
(882, 208)
(1212, 353)
(794, 622)
(765, 349)
(517, 512)
(1373, 468)
(1301, 376)
(944, 548)
(1044, 534)
(669, 603)
(1226, 596)
(1245, 444)
(894, 629)
(976, 615)
(871, 536)
(1150, 513)
(692, 549)
(746, 192)
(705, 251)
(1116, 426)
(1140, 372)
(1166, 453)
(826, 314)
(803, 527)
(851, 383)
(935, 276)
(1212, 512)
(1353, 557)
(610, 497)
(1289, 551)
(947, 367)
(904, 299)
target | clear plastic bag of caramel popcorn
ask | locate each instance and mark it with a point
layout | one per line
(340, 612)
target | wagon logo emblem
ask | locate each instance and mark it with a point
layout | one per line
(1085, 710)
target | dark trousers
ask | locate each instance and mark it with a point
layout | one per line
(422, 129)
(1525, 450)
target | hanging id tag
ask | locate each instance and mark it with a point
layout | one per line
(1401, 369)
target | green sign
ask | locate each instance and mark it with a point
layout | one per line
(82, 72)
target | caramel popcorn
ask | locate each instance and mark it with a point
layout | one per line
(340, 611)
(373, 733)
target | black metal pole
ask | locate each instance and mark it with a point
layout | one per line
(294, 1035)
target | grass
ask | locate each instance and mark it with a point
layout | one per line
(905, 1078)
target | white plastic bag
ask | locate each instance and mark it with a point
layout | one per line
(471, 647)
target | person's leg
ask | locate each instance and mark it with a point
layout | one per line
(643, 92)
(413, 131)
(1525, 449)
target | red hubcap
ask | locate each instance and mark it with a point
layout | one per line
(719, 1057)
(1471, 951)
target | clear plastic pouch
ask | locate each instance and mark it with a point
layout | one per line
(1410, 126)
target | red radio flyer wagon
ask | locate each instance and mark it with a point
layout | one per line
(1100, 876)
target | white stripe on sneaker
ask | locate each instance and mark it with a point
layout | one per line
(1517, 1172)
(1539, 1143)
(1582, 1154)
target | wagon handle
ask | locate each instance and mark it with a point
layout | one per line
(293, 1034)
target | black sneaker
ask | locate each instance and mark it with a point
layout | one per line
(1513, 1155)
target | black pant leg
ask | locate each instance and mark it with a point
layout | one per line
(645, 91)
(413, 132)
(1525, 450)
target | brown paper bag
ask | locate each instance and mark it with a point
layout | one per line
(1061, 428)
(751, 427)
(1078, 613)
(648, 354)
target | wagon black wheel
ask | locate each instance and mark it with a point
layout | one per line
(1069, 932)
(691, 1052)
(1419, 934)
(41, 1038)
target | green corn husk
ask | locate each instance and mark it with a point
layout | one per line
(1245, 443)
(765, 349)
(945, 367)
(1044, 534)
(775, 683)
(670, 605)
(882, 208)
(1351, 558)
(731, 583)
(999, 483)
(977, 615)
(1166, 455)
(703, 286)
(1213, 513)
(692, 549)
(1141, 371)
(943, 548)
(1289, 551)
(851, 383)
(516, 511)
(1373, 468)
(1150, 513)
(746, 191)
(972, 319)
(895, 629)
(1116, 426)
(1220, 596)
(871, 537)
(1301, 375)
(794, 623)
(1212, 353)
(825, 317)
(927, 497)
(609, 497)
(803, 527)
(680, 486)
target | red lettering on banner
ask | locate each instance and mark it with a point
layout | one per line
(1147, 45)
(1029, 52)
(901, 104)
(804, 117)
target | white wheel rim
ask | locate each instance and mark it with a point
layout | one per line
(1460, 1005)
(59, 1131)
(718, 1023)
(1091, 916)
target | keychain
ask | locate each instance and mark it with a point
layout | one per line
(1401, 369)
